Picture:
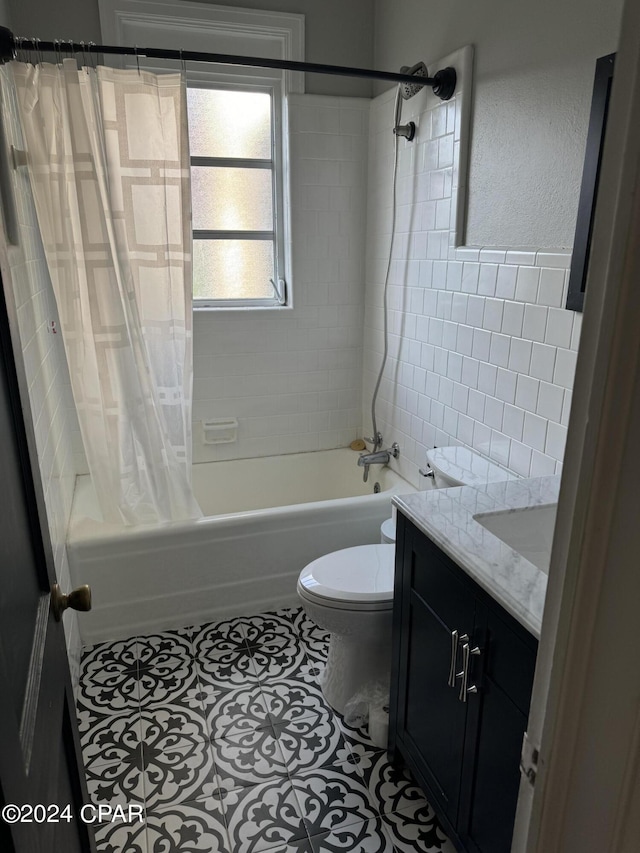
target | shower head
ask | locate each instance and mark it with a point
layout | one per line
(408, 90)
(443, 82)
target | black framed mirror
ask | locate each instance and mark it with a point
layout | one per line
(590, 177)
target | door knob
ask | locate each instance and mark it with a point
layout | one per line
(78, 599)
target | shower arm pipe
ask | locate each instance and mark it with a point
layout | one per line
(442, 83)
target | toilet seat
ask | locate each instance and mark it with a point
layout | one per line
(359, 578)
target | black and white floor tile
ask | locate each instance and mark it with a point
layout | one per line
(222, 733)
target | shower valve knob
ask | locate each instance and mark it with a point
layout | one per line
(406, 130)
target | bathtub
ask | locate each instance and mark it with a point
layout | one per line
(265, 519)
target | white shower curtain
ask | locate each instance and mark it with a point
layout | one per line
(108, 159)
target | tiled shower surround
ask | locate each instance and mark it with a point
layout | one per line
(481, 351)
(222, 733)
(293, 378)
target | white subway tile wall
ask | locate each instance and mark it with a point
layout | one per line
(293, 378)
(45, 367)
(479, 341)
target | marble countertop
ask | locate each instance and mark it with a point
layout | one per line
(446, 517)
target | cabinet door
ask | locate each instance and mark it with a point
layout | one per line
(436, 604)
(496, 775)
(434, 717)
(491, 770)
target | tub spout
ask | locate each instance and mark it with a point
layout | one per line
(380, 457)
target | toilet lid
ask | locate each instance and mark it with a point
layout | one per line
(363, 573)
(466, 468)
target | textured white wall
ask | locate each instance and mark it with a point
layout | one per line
(534, 66)
(5, 14)
(481, 351)
(336, 32)
(45, 366)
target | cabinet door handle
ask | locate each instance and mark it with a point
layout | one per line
(455, 640)
(452, 664)
(467, 651)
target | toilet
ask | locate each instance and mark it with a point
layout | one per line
(350, 592)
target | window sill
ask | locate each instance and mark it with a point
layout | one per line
(239, 309)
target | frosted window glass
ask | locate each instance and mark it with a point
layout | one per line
(227, 199)
(232, 269)
(229, 124)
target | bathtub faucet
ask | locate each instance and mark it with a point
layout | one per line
(380, 457)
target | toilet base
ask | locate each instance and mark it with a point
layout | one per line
(352, 666)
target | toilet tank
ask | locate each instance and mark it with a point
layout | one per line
(459, 466)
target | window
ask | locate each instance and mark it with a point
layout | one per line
(240, 227)
(236, 198)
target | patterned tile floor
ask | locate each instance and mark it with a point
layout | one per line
(222, 732)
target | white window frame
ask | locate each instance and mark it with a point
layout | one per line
(279, 299)
(196, 26)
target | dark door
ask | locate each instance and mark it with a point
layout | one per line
(39, 753)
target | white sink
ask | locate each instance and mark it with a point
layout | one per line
(528, 531)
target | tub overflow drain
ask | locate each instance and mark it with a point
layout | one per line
(376, 488)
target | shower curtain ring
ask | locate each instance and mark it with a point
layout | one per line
(84, 55)
(135, 50)
(94, 63)
(183, 64)
(35, 44)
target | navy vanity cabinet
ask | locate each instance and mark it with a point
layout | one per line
(465, 754)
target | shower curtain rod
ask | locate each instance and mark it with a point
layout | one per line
(443, 82)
